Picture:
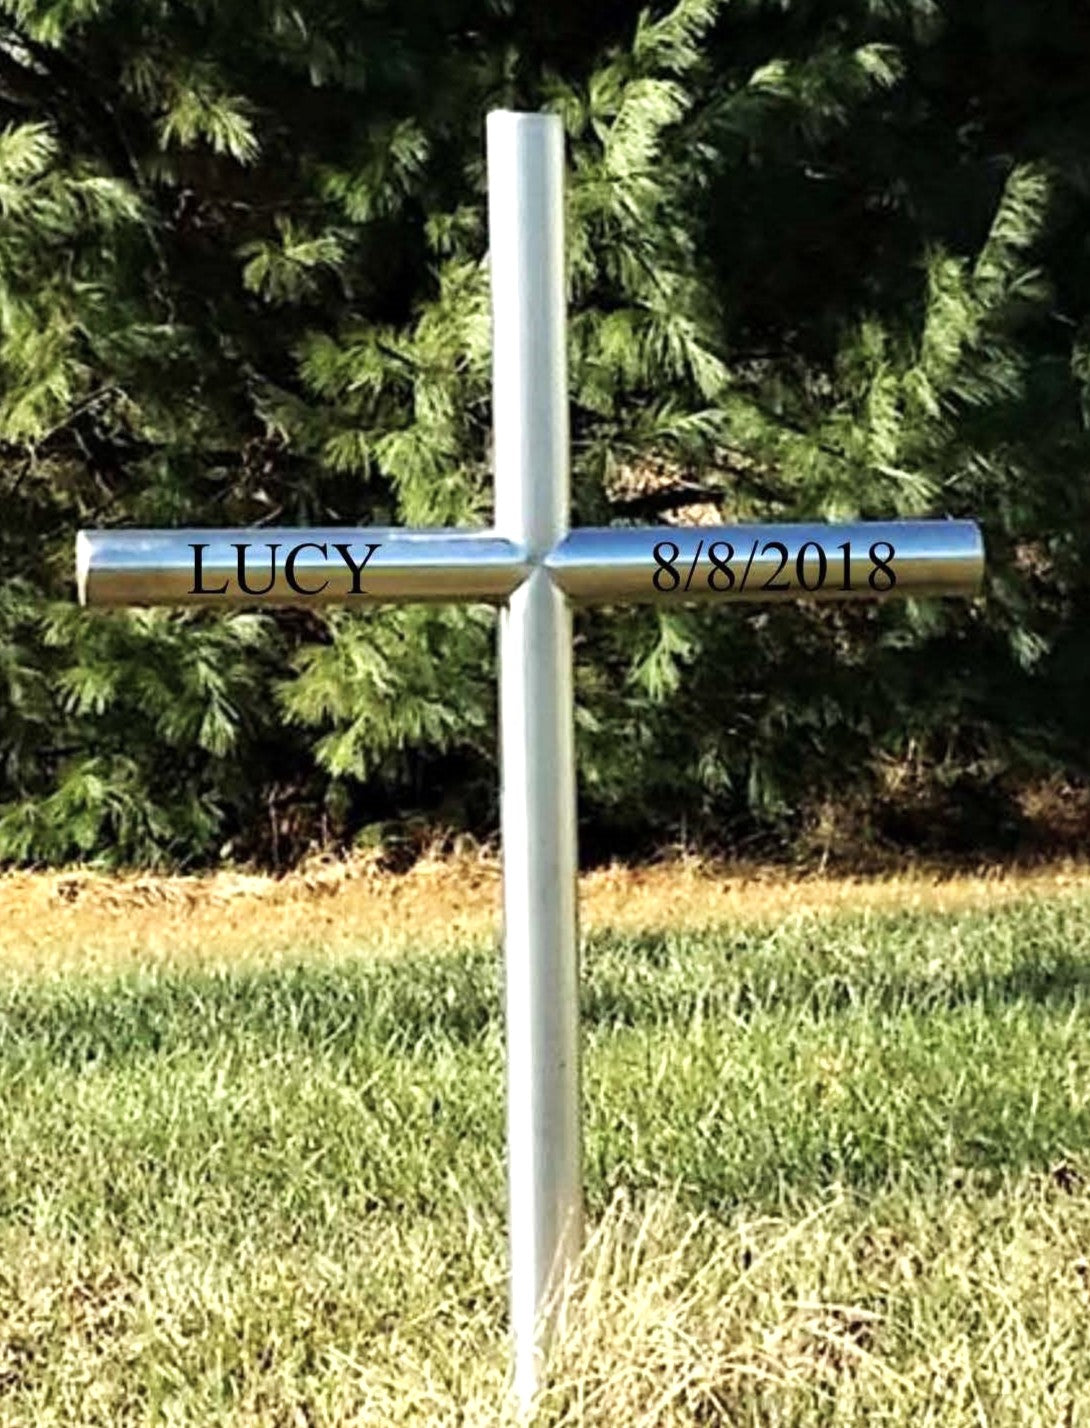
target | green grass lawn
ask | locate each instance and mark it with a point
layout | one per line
(837, 1169)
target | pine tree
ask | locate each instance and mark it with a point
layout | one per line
(818, 267)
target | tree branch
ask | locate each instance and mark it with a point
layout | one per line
(655, 502)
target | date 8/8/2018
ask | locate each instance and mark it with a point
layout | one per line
(718, 567)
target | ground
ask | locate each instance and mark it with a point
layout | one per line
(52, 922)
(837, 1136)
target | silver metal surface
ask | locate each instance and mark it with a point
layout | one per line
(277, 566)
(530, 418)
(865, 561)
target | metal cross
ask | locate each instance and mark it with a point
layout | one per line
(534, 568)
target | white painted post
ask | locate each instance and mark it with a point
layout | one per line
(530, 419)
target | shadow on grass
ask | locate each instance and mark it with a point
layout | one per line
(1059, 979)
(418, 1005)
(768, 1133)
(404, 1009)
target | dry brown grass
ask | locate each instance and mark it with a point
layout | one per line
(57, 922)
(833, 1318)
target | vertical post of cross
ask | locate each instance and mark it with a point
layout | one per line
(530, 424)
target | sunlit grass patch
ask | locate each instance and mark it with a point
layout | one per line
(930, 1310)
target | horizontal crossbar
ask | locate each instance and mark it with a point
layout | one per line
(660, 564)
(293, 566)
(811, 561)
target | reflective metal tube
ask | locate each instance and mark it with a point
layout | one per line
(865, 560)
(278, 566)
(537, 766)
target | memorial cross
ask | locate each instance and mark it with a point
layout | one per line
(535, 569)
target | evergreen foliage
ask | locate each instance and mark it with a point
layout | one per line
(819, 267)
